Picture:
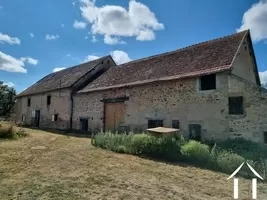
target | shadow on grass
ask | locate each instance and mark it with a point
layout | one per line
(69, 133)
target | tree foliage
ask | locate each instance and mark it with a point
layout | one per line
(7, 100)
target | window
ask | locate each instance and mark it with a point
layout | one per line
(208, 82)
(236, 105)
(48, 100)
(155, 123)
(83, 124)
(54, 117)
(265, 137)
(175, 124)
(29, 102)
(23, 118)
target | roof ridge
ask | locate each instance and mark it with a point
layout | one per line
(78, 65)
(183, 48)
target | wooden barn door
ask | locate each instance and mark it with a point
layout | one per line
(114, 115)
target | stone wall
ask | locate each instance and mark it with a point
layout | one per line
(243, 65)
(60, 104)
(253, 123)
(171, 100)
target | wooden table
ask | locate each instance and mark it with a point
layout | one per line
(162, 131)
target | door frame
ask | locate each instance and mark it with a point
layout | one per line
(111, 100)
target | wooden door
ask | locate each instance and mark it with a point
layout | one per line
(114, 115)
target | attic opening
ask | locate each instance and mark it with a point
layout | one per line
(29, 102)
(208, 82)
(48, 100)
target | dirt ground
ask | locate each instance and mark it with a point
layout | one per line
(51, 166)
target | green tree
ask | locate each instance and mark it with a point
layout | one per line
(7, 100)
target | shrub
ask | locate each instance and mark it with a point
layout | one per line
(228, 161)
(246, 148)
(142, 144)
(8, 131)
(197, 153)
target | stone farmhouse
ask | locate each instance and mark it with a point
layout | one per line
(210, 90)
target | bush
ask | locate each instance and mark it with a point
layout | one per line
(228, 161)
(246, 148)
(197, 153)
(140, 144)
(8, 131)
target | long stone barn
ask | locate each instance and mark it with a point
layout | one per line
(210, 91)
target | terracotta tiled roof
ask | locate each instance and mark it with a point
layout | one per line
(203, 58)
(62, 79)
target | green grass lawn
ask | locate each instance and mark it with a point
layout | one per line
(46, 165)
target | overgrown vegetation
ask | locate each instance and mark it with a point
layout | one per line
(225, 156)
(9, 131)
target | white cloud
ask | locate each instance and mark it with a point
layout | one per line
(4, 38)
(120, 57)
(255, 19)
(263, 78)
(79, 25)
(113, 40)
(51, 37)
(62, 25)
(86, 37)
(1, 7)
(94, 39)
(115, 21)
(32, 35)
(58, 69)
(29, 60)
(9, 84)
(90, 58)
(11, 64)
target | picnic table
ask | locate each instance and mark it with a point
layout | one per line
(162, 131)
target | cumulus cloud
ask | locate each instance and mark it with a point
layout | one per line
(90, 58)
(4, 38)
(29, 60)
(32, 35)
(94, 39)
(51, 37)
(263, 77)
(9, 84)
(79, 25)
(113, 40)
(115, 21)
(255, 19)
(120, 57)
(62, 25)
(57, 69)
(11, 64)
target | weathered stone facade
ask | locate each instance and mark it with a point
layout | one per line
(60, 104)
(253, 123)
(181, 100)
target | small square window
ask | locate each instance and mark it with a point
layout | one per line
(48, 100)
(155, 123)
(208, 82)
(236, 105)
(265, 137)
(175, 124)
(54, 117)
(29, 102)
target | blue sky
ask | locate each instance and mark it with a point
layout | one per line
(36, 39)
